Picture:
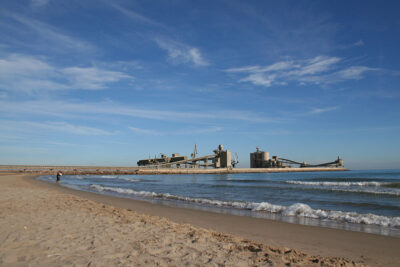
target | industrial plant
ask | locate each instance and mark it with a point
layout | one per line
(260, 159)
(219, 159)
(223, 159)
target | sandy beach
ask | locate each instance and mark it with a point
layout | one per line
(44, 224)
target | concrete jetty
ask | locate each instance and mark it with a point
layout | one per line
(123, 170)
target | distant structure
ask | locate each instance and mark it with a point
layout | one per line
(220, 159)
(260, 159)
(162, 160)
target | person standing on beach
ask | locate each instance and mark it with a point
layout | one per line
(59, 174)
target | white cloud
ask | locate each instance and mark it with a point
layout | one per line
(283, 65)
(350, 73)
(353, 72)
(359, 43)
(273, 67)
(323, 110)
(195, 56)
(20, 65)
(39, 3)
(28, 126)
(244, 69)
(92, 78)
(259, 79)
(50, 34)
(58, 108)
(70, 128)
(143, 131)
(125, 65)
(317, 70)
(356, 44)
(316, 65)
(181, 53)
(29, 74)
(28, 85)
(133, 15)
(204, 130)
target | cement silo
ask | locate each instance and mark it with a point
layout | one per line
(259, 159)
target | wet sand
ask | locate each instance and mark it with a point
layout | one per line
(46, 224)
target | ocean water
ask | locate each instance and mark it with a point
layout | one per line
(366, 201)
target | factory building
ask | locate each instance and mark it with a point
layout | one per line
(260, 159)
(220, 159)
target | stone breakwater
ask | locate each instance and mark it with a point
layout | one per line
(83, 170)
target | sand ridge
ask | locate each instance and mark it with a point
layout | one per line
(39, 226)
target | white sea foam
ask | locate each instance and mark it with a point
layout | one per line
(297, 209)
(386, 191)
(376, 184)
(107, 176)
(86, 176)
(375, 188)
(81, 177)
(129, 179)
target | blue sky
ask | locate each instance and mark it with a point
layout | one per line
(111, 82)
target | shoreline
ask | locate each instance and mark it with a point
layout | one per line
(240, 208)
(104, 170)
(327, 242)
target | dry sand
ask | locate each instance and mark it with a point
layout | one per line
(47, 225)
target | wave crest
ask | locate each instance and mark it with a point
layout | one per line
(297, 209)
(339, 183)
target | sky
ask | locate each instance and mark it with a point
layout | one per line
(111, 82)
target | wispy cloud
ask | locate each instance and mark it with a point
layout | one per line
(141, 131)
(133, 15)
(186, 131)
(48, 33)
(38, 3)
(125, 65)
(350, 73)
(359, 43)
(28, 126)
(314, 66)
(58, 108)
(272, 132)
(298, 31)
(204, 130)
(29, 74)
(92, 77)
(69, 128)
(181, 53)
(22, 66)
(260, 79)
(282, 65)
(317, 70)
(323, 110)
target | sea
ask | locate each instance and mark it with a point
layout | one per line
(360, 200)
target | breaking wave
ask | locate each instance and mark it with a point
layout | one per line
(83, 177)
(298, 209)
(362, 187)
(339, 183)
(392, 193)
